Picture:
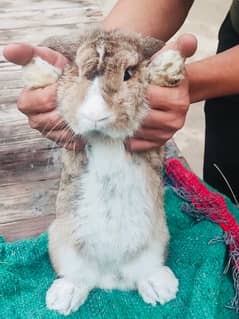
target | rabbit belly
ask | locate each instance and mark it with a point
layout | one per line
(115, 212)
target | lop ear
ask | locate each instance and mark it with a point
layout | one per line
(151, 46)
(66, 45)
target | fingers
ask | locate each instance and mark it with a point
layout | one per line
(52, 126)
(168, 111)
(169, 98)
(160, 126)
(138, 145)
(45, 122)
(157, 136)
(156, 119)
(39, 104)
(66, 139)
(37, 101)
(23, 53)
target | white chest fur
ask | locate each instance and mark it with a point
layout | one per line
(114, 218)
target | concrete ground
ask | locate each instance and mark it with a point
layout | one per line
(204, 20)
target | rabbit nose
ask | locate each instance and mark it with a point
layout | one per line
(94, 107)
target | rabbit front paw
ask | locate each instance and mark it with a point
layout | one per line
(160, 287)
(65, 297)
(166, 69)
(39, 73)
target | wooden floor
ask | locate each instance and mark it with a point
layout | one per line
(29, 164)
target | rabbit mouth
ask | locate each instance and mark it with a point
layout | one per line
(105, 126)
(87, 123)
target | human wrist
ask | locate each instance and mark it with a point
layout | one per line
(200, 81)
(194, 83)
(215, 76)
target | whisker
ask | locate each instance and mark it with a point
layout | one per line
(45, 127)
(67, 130)
(227, 183)
(52, 129)
(71, 141)
(64, 134)
(61, 137)
(53, 148)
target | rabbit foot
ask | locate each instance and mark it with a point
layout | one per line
(65, 297)
(38, 73)
(166, 69)
(160, 287)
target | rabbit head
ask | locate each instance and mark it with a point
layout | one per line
(102, 91)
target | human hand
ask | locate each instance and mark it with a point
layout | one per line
(40, 104)
(169, 106)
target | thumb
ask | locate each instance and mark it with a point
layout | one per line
(23, 53)
(186, 44)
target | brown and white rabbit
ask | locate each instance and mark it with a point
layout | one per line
(110, 230)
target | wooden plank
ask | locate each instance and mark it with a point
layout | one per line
(52, 17)
(32, 21)
(25, 200)
(8, 5)
(30, 164)
(9, 113)
(16, 230)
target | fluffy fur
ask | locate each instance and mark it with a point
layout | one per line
(110, 229)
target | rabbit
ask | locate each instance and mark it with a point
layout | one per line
(110, 230)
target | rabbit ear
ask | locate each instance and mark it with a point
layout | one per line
(66, 45)
(151, 46)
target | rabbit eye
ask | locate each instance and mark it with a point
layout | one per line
(128, 74)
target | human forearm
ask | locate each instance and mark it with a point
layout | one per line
(215, 76)
(157, 18)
